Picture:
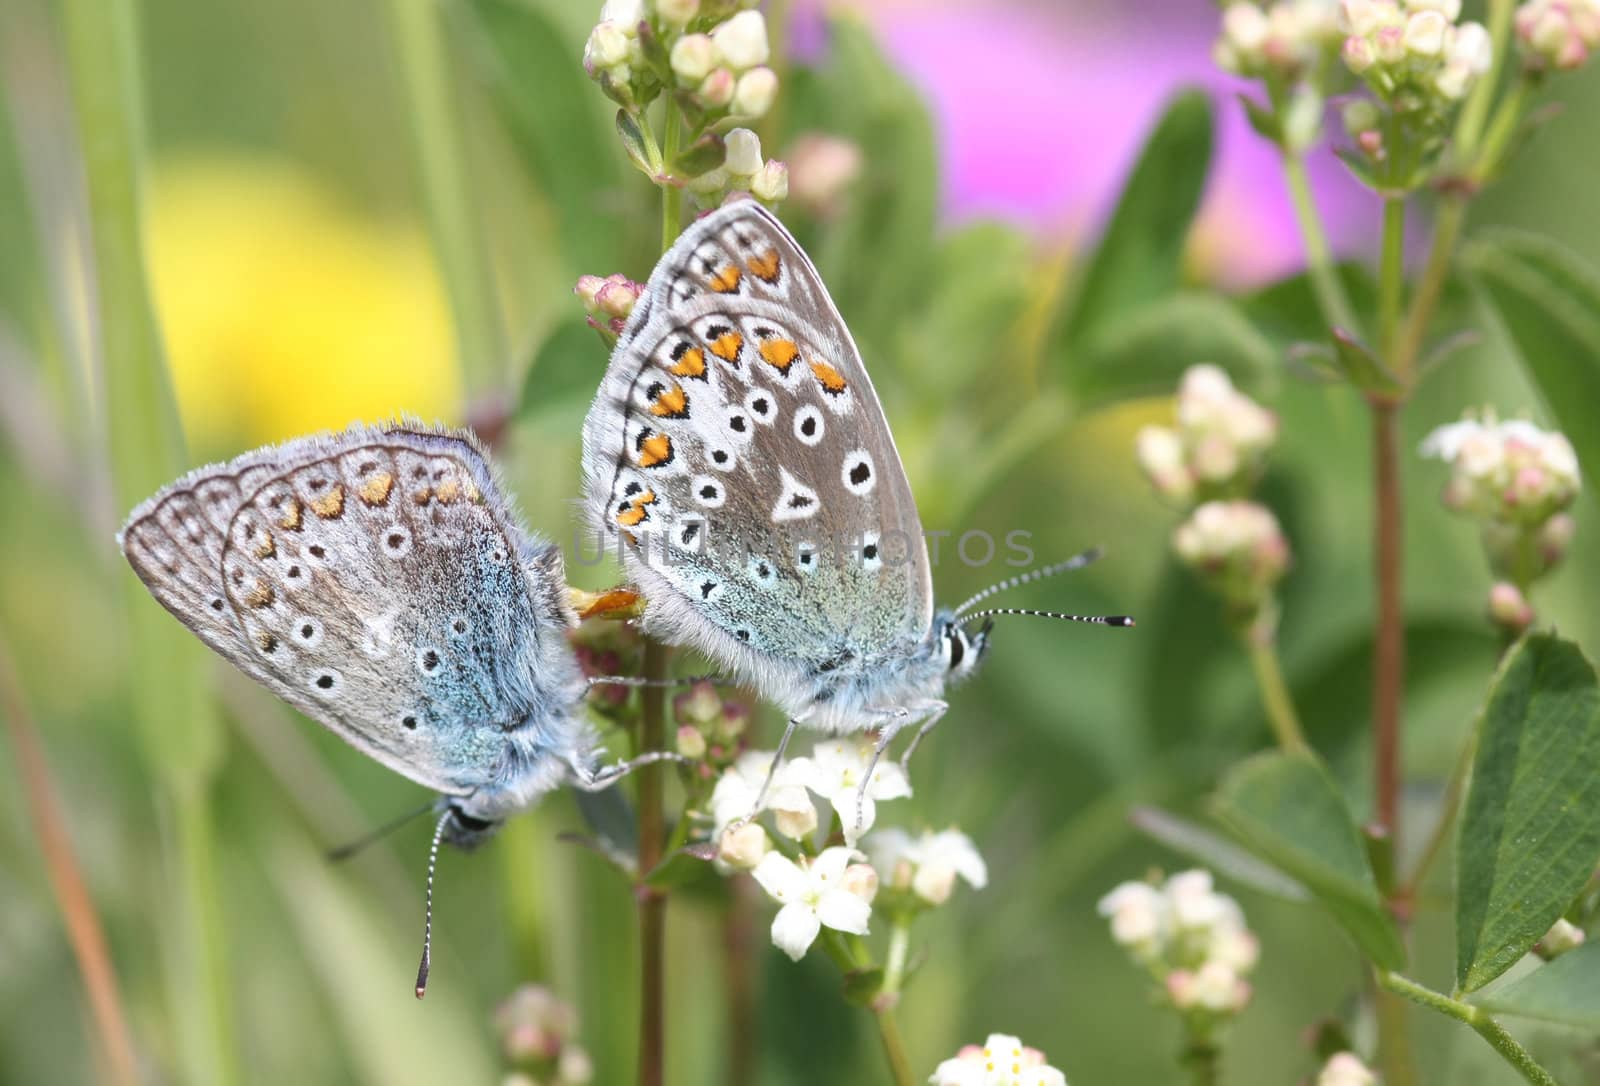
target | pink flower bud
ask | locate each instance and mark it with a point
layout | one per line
(716, 90)
(732, 723)
(691, 741)
(862, 881)
(821, 168)
(771, 182)
(754, 93)
(693, 57)
(742, 848)
(1508, 608)
(700, 704)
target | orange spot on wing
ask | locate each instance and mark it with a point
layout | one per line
(655, 449)
(260, 596)
(671, 404)
(765, 268)
(375, 491)
(447, 491)
(727, 346)
(780, 353)
(831, 380)
(267, 547)
(634, 512)
(692, 363)
(331, 505)
(291, 515)
(726, 281)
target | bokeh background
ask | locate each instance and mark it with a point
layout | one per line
(297, 290)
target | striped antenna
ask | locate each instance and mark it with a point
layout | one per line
(1098, 620)
(1077, 561)
(427, 916)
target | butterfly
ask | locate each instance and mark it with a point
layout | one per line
(379, 581)
(739, 457)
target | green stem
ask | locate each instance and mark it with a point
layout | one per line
(894, 1046)
(458, 243)
(1202, 1058)
(1391, 272)
(1275, 697)
(1450, 807)
(1473, 114)
(671, 191)
(1395, 1055)
(1325, 284)
(1485, 1026)
(1506, 119)
(178, 733)
(894, 965)
(1389, 645)
(652, 902)
(1403, 352)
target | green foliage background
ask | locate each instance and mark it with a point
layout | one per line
(1007, 416)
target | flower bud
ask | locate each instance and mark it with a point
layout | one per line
(629, 13)
(821, 168)
(795, 821)
(1346, 1069)
(691, 742)
(862, 881)
(1161, 455)
(934, 883)
(733, 721)
(1137, 912)
(607, 48)
(1359, 54)
(1390, 45)
(1449, 10)
(692, 58)
(754, 93)
(743, 157)
(742, 847)
(677, 12)
(716, 90)
(617, 297)
(771, 183)
(588, 289)
(1555, 537)
(1361, 115)
(700, 704)
(575, 1068)
(742, 40)
(1564, 936)
(533, 1024)
(1239, 547)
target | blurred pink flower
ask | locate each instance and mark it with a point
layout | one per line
(1041, 111)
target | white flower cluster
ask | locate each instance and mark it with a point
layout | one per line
(726, 69)
(836, 887)
(1219, 445)
(1285, 38)
(742, 170)
(1413, 53)
(537, 1031)
(1237, 545)
(1002, 1060)
(1191, 938)
(1518, 482)
(1346, 1069)
(1558, 34)
(613, 55)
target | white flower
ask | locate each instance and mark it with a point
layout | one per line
(1195, 904)
(1345, 1069)
(742, 848)
(1562, 937)
(754, 93)
(862, 881)
(1473, 47)
(935, 861)
(1213, 987)
(1449, 9)
(1003, 1060)
(1138, 914)
(628, 12)
(811, 895)
(608, 47)
(1236, 545)
(735, 794)
(692, 58)
(743, 152)
(836, 770)
(1244, 26)
(771, 183)
(742, 40)
(1234, 947)
(1424, 33)
(677, 12)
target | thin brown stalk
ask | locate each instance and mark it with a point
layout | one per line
(652, 845)
(1389, 648)
(739, 981)
(66, 880)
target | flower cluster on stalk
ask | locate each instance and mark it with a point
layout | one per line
(1208, 463)
(537, 1031)
(1193, 942)
(1002, 1060)
(1518, 483)
(1346, 1069)
(1557, 34)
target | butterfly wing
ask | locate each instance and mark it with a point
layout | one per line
(739, 450)
(375, 580)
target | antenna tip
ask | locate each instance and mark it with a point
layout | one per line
(422, 978)
(422, 990)
(1120, 620)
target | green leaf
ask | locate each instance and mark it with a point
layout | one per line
(1287, 810)
(554, 114)
(1530, 826)
(679, 869)
(1140, 257)
(861, 986)
(1566, 990)
(561, 380)
(1222, 856)
(637, 142)
(1361, 366)
(1146, 352)
(1548, 302)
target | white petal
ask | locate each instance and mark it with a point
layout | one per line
(959, 1072)
(844, 803)
(828, 869)
(833, 758)
(843, 911)
(795, 928)
(956, 849)
(889, 781)
(1044, 1076)
(887, 848)
(781, 878)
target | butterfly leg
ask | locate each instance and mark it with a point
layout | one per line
(897, 719)
(636, 680)
(772, 771)
(936, 711)
(598, 780)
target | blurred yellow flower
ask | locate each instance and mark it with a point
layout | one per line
(284, 311)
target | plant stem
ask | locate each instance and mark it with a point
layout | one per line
(894, 965)
(1389, 646)
(1391, 273)
(1470, 126)
(1325, 284)
(894, 1047)
(1202, 1058)
(1403, 352)
(671, 191)
(78, 914)
(1486, 1027)
(1395, 1056)
(1506, 119)
(1450, 807)
(652, 902)
(1275, 697)
(441, 157)
(739, 975)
